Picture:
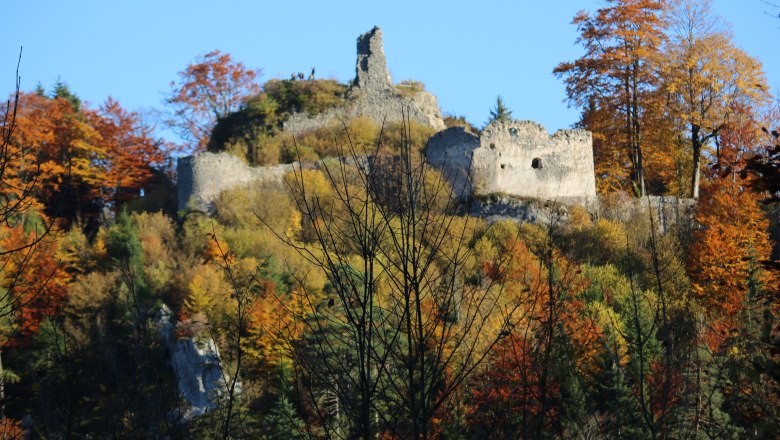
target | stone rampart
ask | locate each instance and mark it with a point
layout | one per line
(666, 211)
(202, 178)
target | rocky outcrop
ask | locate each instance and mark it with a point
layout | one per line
(497, 207)
(196, 363)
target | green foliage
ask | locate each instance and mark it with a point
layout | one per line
(62, 91)
(312, 96)
(250, 133)
(123, 244)
(410, 87)
(283, 422)
(246, 128)
(500, 112)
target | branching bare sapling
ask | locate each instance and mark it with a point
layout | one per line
(402, 324)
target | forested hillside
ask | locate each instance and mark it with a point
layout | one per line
(363, 301)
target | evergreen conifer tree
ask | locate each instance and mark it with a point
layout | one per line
(500, 112)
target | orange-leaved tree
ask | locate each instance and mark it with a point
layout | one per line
(614, 83)
(84, 159)
(209, 89)
(733, 237)
(552, 340)
(132, 151)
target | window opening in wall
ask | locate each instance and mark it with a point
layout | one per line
(536, 163)
(513, 131)
(492, 146)
(503, 165)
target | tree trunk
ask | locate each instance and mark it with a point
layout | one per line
(2, 387)
(696, 174)
(636, 128)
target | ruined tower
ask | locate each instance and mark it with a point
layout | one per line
(371, 69)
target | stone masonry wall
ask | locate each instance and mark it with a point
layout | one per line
(450, 151)
(518, 158)
(203, 177)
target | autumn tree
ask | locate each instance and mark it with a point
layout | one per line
(614, 83)
(704, 76)
(528, 388)
(401, 325)
(132, 151)
(32, 278)
(210, 88)
(88, 159)
(731, 283)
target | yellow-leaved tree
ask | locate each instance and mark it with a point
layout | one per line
(704, 75)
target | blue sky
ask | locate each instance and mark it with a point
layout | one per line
(466, 53)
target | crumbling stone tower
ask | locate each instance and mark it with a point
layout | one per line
(373, 95)
(371, 69)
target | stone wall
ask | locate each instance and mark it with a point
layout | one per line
(518, 158)
(667, 211)
(373, 95)
(203, 177)
(669, 214)
(450, 151)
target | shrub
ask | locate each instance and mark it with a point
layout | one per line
(158, 242)
(409, 87)
(241, 207)
(312, 97)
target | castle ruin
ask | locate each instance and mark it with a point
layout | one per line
(517, 158)
(373, 95)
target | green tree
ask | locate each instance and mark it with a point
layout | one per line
(500, 112)
(282, 422)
